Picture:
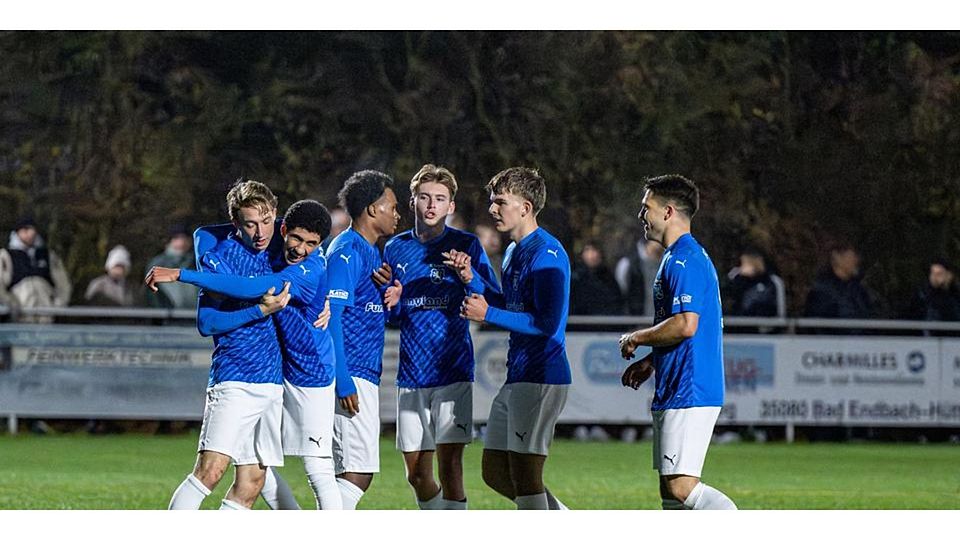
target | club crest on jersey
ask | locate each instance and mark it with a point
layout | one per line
(436, 273)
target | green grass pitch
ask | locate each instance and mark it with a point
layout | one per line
(141, 472)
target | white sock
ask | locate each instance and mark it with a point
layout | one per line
(436, 503)
(704, 497)
(532, 502)
(227, 504)
(323, 482)
(350, 493)
(189, 494)
(454, 505)
(671, 504)
(554, 503)
(276, 492)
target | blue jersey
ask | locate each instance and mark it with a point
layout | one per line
(308, 358)
(350, 266)
(690, 373)
(308, 355)
(534, 307)
(435, 344)
(251, 352)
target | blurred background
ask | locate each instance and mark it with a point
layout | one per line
(801, 142)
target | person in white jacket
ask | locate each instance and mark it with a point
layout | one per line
(31, 275)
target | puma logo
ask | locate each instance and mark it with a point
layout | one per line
(317, 440)
(518, 434)
(464, 428)
(402, 267)
(305, 269)
(346, 258)
(214, 263)
(553, 252)
(671, 459)
(682, 263)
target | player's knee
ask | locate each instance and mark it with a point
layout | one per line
(209, 472)
(418, 478)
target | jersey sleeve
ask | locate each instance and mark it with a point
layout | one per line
(303, 278)
(344, 382)
(550, 278)
(343, 270)
(206, 238)
(686, 278)
(484, 276)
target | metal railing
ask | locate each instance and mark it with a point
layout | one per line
(788, 325)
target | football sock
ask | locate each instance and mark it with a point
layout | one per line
(350, 494)
(276, 492)
(554, 503)
(454, 505)
(436, 503)
(704, 497)
(323, 482)
(532, 502)
(189, 494)
(671, 504)
(227, 504)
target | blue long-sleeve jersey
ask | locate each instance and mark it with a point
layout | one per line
(250, 352)
(357, 313)
(534, 307)
(435, 344)
(308, 356)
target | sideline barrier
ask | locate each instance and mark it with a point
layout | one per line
(160, 372)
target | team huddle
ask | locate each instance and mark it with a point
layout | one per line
(299, 336)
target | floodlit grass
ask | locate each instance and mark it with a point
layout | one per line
(141, 472)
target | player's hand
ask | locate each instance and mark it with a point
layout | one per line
(392, 296)
(271, 303)
(382, 276)
(351, 404)
(323, 319)
(459, 262)
(159, 274)
(627, 346)
(474, 308)
(637, 373)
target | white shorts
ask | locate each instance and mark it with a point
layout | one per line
(522, 417)
(681, 438)
(308, 420)
(427, 417)
(356, 439)
(242, 420)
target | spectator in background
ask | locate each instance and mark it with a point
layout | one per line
(635, 274)
(112, 288)
(30, 274)
(753, 289)
(177, 254)
(593, 289)
(938, 299)
(837, 292)
(339, 222)
(492, 244)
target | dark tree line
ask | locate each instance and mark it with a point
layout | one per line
(798, 140)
